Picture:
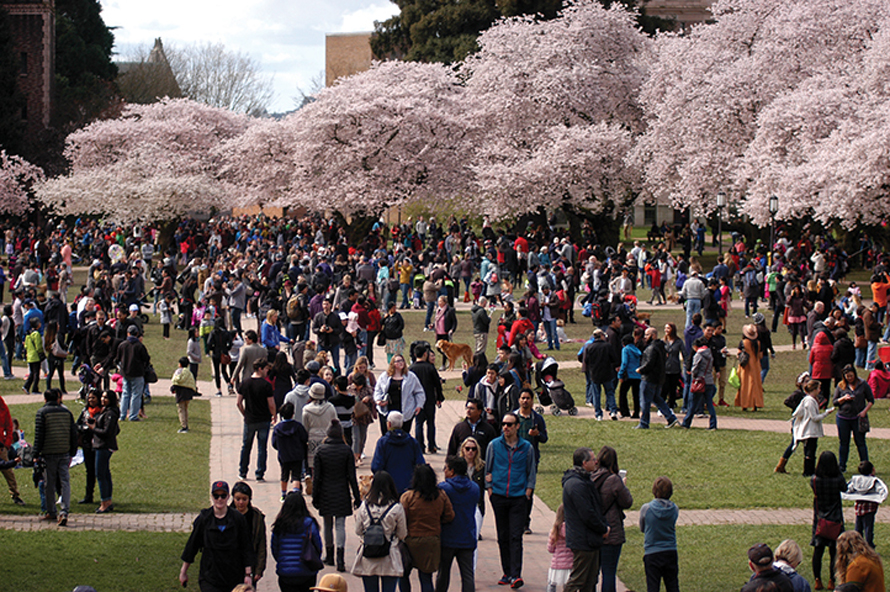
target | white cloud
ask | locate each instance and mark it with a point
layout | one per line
(363, 18)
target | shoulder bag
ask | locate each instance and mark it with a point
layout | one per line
(311, 557)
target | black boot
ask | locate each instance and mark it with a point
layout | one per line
(809, 466)
(341, 560)
(329, 555)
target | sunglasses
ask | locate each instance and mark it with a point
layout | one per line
(470, 448)
(508, 423)
(220, 495)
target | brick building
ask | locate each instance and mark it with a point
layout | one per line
(33, 26)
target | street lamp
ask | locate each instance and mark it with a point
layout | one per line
(721, 203)
(773, 210)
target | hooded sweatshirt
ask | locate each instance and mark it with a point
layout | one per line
(658, 521)
(460, 533)
(291, 440)
(398, 453)
(865, 488)
(298, 397)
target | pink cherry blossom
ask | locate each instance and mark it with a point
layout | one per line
(16, 178)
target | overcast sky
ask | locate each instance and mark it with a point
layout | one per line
(286, 36)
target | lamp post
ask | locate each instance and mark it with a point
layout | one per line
(773, 210)
(721, 203)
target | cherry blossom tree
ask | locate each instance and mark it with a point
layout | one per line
(554, 105)
(383, 137)
(16, 178)
(153, 163)
(762, 64)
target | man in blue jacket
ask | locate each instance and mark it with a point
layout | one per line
(586, 526)
(510, 474)
(397, 453)
(459, 536)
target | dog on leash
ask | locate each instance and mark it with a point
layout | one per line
(455, 351)
(364, 485)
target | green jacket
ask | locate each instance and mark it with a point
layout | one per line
(33, 346)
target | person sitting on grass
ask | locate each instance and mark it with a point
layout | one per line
(760, 560)
(184, 388)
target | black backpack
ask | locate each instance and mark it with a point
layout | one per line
(375, 542)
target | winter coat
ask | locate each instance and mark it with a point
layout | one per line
(395, 526)
(630, 361)
(652, 362)
(562, 555)
(808, 420)
(842, 354)
(879, 382)
(820, 357)
(425, 520)
(106, 429)
(585, 522)
(413, 395)
(615, 498)
(333, 478)
(317, 419)
(288, 550)
(600, 361)
(291, 440)
(703, 365)
(397, 453)
(460, 533)
(481, 320)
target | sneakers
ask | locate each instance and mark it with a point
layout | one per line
(614, 417)
(722, 403)
(283, 497)
(218, 394)
(260, 479)
(505, 580)
(182, 431)
(640, 427)
(18, 501)
(599, 417)
(517, 583)
(63, 519)
(672, 423)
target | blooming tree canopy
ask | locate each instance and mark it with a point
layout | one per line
(376, 139)
(16, 177)
(762, 65)
(153, 163)
(554, 105)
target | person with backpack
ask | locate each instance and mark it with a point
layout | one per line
(380, 522)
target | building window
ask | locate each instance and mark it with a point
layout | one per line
(650, 214)
(25, 112)
(24, 64)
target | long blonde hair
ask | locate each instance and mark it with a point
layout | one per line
(851, 545)
(556, 530)
(478, 463)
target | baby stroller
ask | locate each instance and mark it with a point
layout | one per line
(90, 380)
(552, 391)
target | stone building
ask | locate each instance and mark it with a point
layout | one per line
(33, 27)
(148, 79)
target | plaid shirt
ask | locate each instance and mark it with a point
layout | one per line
(828, 497)
(862, 507)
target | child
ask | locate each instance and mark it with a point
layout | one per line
(344, 403)
(561, 562)
(658, 521)
(193, 351)
(34, 354)
(165, 307)
(184, 388)
(206, 328)
(869, 492)
(808, 425)
(291, 440)
(476, 289)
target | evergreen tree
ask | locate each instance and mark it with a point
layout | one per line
(11, 100)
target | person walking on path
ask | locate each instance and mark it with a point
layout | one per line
(256, 403)
(533, 429)
(250, 353)
(133, 359)
(397, 453)
(291, 440)
(510, 477)
(333, 480)
(242, 495)
(425, 370)
(398, 389)
(426, 508)
(750, 394)
(586, 526)
(828, 516)
(293, 529)
(317, 418)
(652, 363)
(459, 537)
(55, 440)
(474, 425)
(853, 398)
(380, 507)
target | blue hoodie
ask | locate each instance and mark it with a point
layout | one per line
(460, 533)
(658, 521)
(630, 361)
(398, 453)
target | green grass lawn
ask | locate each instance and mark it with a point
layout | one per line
(722, 469)
(154, 470)
(108, 561)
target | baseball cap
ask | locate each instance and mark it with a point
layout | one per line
(219, 486)
(331, 583)
(760, 554)
(313, 367)
(134, 308)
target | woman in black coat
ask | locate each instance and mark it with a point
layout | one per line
(105, 430)
(333, 478)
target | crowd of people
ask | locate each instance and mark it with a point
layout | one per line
(303, 374)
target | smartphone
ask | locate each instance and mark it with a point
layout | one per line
(623, 474)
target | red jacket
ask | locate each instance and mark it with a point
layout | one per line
(879, 381)
(820, 357)
(6, 429)
(520, 327)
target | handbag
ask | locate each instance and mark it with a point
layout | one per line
(860, 342)
(381, 339)
(151, 376)
(698, 385)
(360, 410)
(744, 358)
(58, 351)
(311, 557)
(225, 359)
(864, 425)
(828, 529)
(734, 380)
(407, 560)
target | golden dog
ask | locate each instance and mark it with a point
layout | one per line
(455, 351)
(364, 485)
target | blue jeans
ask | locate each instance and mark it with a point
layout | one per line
(764, 367)
(651, 393)
(593, 396)
(7, 368)
(693, 305)
(131, 398)
(334, 355)
(865, 525)
(430, 307)
(552, 335)
(261, 430)
(236, 319)
(609, 556)
(406, 289)
(707, 399)
(103, 473)
(845, 427)
(860, 357)
(752, 304)
(372, 583)
(349, 361)
(871, 354)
